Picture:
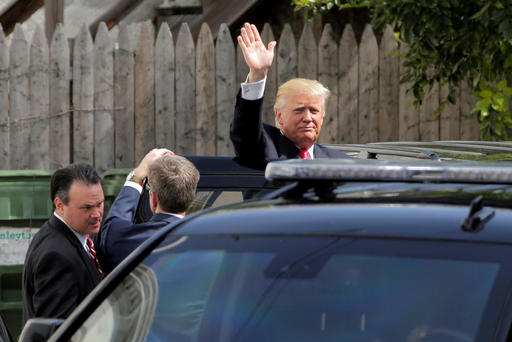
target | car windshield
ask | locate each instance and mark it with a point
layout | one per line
(282, 288)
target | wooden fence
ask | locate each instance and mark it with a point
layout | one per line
(107, 103)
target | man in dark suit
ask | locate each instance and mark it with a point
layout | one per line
(172, 182)
(299, 110)
(60, 265)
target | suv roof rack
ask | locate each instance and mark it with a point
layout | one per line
(351, 170)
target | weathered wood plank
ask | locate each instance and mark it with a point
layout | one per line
(18, 99)
(271, 85)
(389, 85)
(103, 100)
(242, 70)
(124, 75)
(185, 85)
(206, 115)
(469, 126)
(60, 144)
(429, 122)
(368, 87)
(39, 102)
(328, 76)
(286, 56)
(54, 14)
(144, 92)
(450, 118)
(4, 102)
(308, 53)
(165, 114)
(348, 87)
(408, 113)
(226, 89)
(83, 97)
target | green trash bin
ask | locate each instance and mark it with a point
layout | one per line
(112, 182)
(24, 206)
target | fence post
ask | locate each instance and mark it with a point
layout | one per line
(242, 70)
(429, 124)
(165, 114)
(271, 85)
(389, 84)
(328, 76)
(124, 120)
(226, 89)
(368, 87)
(348, 86)
(449, 121)
(469, 127)
(206, 118)
(408, 116)
(60, 144)
(18, 99)
(144, 92)
(308, 54)
(286, 56)
(4, 102)
(39, 101)
(103, 100)
(185, 87)
(83, 97)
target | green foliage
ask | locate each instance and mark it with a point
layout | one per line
(449, 41)
(493, 110)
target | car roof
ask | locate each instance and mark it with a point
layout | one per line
(362, 220)
(341, 197)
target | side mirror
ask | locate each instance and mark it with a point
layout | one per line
(39, 329)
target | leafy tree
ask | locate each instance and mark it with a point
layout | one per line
(449, 41)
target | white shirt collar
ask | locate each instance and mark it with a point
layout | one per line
(80, 237)
(311, 151)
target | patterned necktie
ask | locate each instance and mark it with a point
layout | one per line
(92, 254)
(304, 154)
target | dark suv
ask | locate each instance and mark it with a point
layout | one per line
(350, 250)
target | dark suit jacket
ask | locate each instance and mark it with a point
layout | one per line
(252, 138)
(119, 235)
(58, 272)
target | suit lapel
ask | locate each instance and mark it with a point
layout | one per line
(319, 152)
(84, 256)
(287, 149)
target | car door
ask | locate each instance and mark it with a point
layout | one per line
(4, 333)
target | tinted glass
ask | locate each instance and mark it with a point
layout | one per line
(312, 289)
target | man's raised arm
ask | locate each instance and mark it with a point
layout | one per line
(246, 132)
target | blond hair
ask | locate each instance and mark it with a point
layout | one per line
(300, 86)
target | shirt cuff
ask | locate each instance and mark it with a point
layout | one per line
(134, 185)
(253, 91)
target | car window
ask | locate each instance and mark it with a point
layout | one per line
(296, 289)
(285, 289)
(207, 199)
(126, 314)
(204, 199)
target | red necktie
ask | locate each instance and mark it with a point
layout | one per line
(304, 154)
(92, 254)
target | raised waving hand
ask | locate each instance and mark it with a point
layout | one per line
(257, 56)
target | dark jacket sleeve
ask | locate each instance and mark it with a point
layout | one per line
(246, 131)
(118, 228)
